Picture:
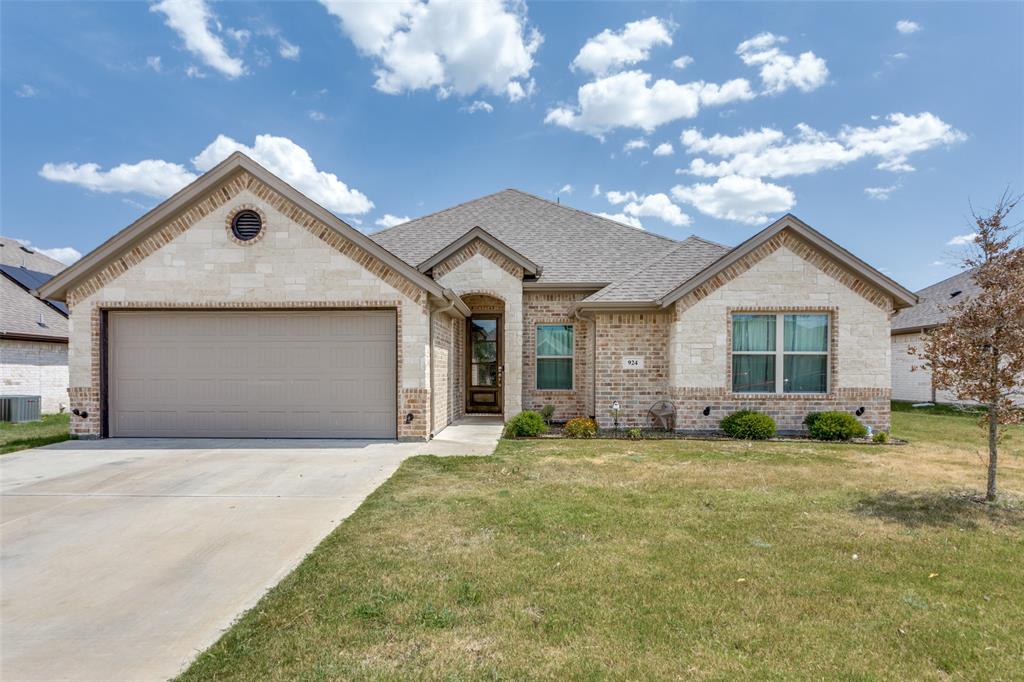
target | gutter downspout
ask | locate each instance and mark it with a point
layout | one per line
(593, 357)
(430, 335)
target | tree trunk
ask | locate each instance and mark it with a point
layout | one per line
(993, 454)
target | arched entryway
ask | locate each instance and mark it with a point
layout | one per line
(485, 354)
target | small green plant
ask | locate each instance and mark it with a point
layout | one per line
(834, 426)
(634, 433)
(547, 412)
(748, 425)
(525, 425)
(581, 427)
(880, 437)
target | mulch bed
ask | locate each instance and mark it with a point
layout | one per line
(652, 434)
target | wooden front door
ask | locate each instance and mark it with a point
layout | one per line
(484, 367)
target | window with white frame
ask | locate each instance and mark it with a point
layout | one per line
(554, 357)
(780, 352)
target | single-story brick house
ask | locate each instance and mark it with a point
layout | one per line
(33, 331)
(239, 307)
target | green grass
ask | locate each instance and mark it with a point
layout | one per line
(53, 428)
(602, 559)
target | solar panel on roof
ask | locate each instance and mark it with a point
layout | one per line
(32, 279)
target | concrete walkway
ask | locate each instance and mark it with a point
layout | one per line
(123, 559)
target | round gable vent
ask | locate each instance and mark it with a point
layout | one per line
(246, 225)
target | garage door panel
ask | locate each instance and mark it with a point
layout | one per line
(257, 374)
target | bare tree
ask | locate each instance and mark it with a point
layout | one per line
(978, 353)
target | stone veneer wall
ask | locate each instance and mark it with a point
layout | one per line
(446, 370)
(553, 308)
(191, 262)
(622, 335)
(785, 275)
(35, 368)
(478, 274)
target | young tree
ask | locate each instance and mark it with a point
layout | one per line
(978, 354)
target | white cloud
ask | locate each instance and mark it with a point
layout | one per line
(566, 189)
(193, 21)
(156, 178)
(938, 263)
(609, 51)
(962, 239)
(317, 116)
(615, 197)
(65, 254)
(154, 63)
(596, 191)
(193, 71)
(900, 55)
(663, 149)
(478, 105)
(657, 206)
(622, 218)
(26, 91)
(151, 177)
(682, 62)
(390, 220)
(293, 164)
(746, 200)
(881, 193)
(633, 145)
(780, 70)
(769, 153)
(628, 100)
(288, 50)
(452, 47)
(906, 26)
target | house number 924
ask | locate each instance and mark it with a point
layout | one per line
(632, 363)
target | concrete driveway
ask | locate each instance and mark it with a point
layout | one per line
(123, 559)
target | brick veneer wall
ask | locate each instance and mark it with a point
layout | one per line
(471, 249)
(35, 368)
(622, 335)
(298, 263)
(554, 308)
(445, 370)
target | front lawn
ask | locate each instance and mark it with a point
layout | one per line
(53, 428)
(565, 559)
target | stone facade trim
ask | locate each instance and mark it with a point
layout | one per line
(477, 246)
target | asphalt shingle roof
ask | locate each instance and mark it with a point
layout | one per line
(15, 253)
(928, 312)
(570, 245)
(23, 314)
(656, 278)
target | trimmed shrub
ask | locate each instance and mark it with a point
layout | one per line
(525, 425)
(635, 433)
(547, 412)
(581, 427)
(748, 425)
(880, 437)
(834, 426)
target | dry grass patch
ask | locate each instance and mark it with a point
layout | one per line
(659, 559)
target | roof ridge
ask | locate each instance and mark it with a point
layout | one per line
(435, 213)
(591, 215)
(943, 281)
(708, 241)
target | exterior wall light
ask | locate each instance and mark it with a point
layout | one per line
(860, 411)
(706, 411)
(408, 418)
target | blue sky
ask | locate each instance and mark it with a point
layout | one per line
(875, 123)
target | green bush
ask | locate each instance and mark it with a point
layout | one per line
(525, 425)
(880, 437)
(547, 412)
(635, 433)
(581, 427)
(748, 425)
(834, 426)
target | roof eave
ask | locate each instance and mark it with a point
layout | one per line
(616, 306)
(902, 297)
(96, 259)
(477, 232)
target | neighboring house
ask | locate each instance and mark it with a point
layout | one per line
(239, 307)
(33, 331)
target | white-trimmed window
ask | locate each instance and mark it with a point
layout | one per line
(780, 352)
(554, 357)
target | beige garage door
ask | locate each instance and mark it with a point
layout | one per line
(219, 374)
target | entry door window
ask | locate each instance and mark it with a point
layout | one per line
(483, 336)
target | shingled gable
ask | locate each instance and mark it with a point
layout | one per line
(861, 272)
(528, 266)
(210, 182)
